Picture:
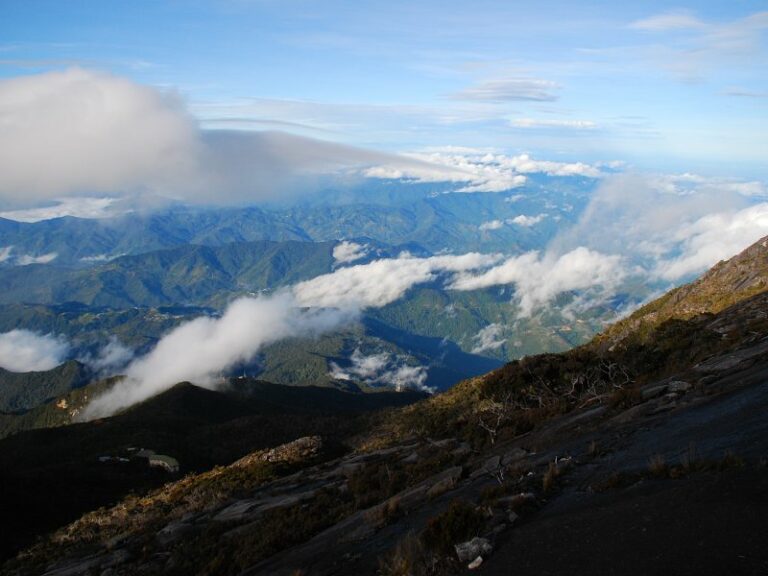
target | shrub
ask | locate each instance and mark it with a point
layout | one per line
(407, 558)
(657, 465)
(460, 522)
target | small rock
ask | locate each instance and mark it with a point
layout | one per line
(489, 466)
(466, 551)
(461, 450)
(679, 386)
(173, 532)
(653, 391)
(513, 456)
(476, 563)
(517, 501)
(512, 517)
(412, 458)
(445, 443)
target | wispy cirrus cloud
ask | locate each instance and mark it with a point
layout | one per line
(545, 123)
(670, 20)
(511, 90)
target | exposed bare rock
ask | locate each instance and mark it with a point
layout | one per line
(469, 551)
(296, 451)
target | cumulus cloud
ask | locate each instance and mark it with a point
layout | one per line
(26, 259)
(201, 349)
(381, 282)
(382, 369)
(101, 135)
(478, 170)
(346, 252)
(538, 279)
(527, 221)
(712, 238)
(491, 225)
(489, 338)
(673, 226)
(27, 351)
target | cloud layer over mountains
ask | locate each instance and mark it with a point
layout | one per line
(27, 351)
(115, 137)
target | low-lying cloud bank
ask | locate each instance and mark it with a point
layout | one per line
(382, 369)
(477, 170)
(539, 278)
(632, 227)
(201, 350)
(27, 351)
(672, 226)
(346, 251)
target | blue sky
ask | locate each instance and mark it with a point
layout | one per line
(664, 86)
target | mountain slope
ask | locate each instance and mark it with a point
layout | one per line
(642, 458)
(727, 283)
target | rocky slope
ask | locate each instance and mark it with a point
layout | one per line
(727, 283)
(646, 458)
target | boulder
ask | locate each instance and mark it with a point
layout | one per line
(490, 466)
(469, 551)
(513, 455)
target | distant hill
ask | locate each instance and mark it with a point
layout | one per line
(20, 391)
(389, 212)
(187, 275)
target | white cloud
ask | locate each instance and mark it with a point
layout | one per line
(511, 89)
(527, 221)
(673, 226)
(673, 20)
(26, 259)
(491, 225)
(382, 369)
(75, 206)
(346, 252)
(92, 132)
(383, 281)
(101, 135)
(114, 356)
(480, 170)
(200, 350)
(566, 124)
(489, 338)
(712, 238)
(538, 279)
(27, 351)
(96, 258)
(5, 253)
(704, 46)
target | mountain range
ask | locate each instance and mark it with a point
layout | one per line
(653, 432)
